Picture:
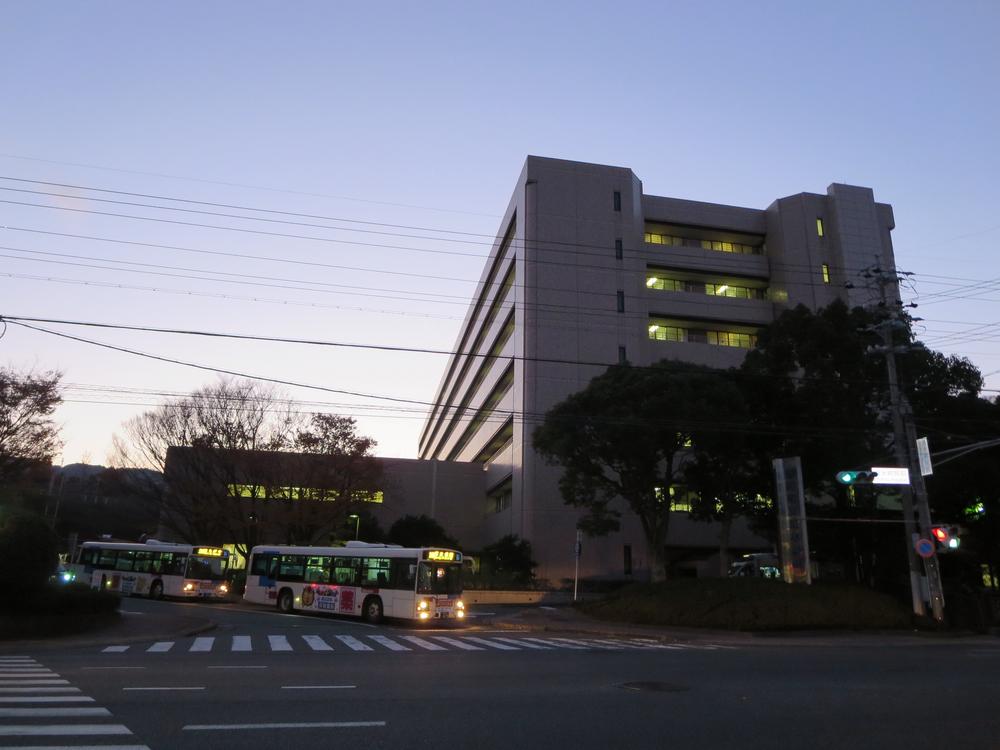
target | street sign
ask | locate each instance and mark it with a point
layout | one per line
(924, 454)
(891, 475)
(924, 547)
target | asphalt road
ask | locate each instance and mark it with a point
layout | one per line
(262, 680)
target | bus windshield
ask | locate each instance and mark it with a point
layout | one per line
(206, 568)
(439, 579)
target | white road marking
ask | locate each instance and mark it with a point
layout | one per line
(353, 643)
(318, 687)
(422, 643)
(37, 730)
(279, 643)
(522, 642)
(23, 668)
(45, 699)
(162, 688)
(12, 683)
(585, 644)
(241, 643)
(84, 669)
(20, 675)
(78, 747)
(289, 725)
(202, 644)
(161, 647)
(492, 644)
(316, 643)
(52, 712)
(554, 644)
(114, 650)
(458, 644)
(239, 666)
(39, 690)
(389, 643)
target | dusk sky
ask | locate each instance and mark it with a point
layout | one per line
(421, 115)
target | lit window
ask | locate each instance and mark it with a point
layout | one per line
(826, 274)
(819, 227)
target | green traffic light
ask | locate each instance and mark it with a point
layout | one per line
(856, 477)
(847, 477)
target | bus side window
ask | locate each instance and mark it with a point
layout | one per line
(87, 555)
(291, 568)
(124, 560)
(403, 575)
(142, 562)
(180, 565)
(106, 559)
(259, 565)
(375, 571)
(318, 569)
(156, 562)
(345, 571)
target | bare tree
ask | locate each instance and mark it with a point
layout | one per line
(28, 435)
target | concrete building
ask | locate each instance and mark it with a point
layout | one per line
(588, 271)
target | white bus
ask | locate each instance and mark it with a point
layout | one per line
(361, 579)
(154, 569)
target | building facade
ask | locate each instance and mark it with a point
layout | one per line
(588, 271)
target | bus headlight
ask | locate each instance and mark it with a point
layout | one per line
(459, 604)
(423, 605)
(424, 615)
(459, 613)
(189, 586)
(223, 588)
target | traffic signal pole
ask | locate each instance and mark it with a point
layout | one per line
(916, 509)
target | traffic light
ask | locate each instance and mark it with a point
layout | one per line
(947, 537)
(856, 477)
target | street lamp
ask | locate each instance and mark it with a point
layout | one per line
(357, 524)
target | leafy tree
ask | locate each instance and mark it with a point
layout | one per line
(508, 562)
(622, 439)
(28, 435)
(29, 550)
(420, 531)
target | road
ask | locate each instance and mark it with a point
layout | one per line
(263, 680)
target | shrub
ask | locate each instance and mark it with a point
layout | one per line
(29, 551)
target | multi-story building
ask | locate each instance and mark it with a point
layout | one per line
(588, 271)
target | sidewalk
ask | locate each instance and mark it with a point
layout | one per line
(131, 628)
(566, 619)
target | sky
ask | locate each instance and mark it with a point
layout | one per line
(382, 117)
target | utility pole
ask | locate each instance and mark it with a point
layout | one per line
(916, 510)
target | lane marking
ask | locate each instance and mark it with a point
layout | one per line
(554, 644)
(77, 747)
(353, 643)
(39, 690)
(279, 643)
(389, 643)
(287, 725)
(45, 699)
(84, 669)
(162, 688)
(316, 643)
(22, 675)
(52, 712)
(522, 642)
(160, 647)
(114, 650)
(422, 643)
(458, 644)
(580, 643)
(202, 644)
(64, 730)
(492, 644)
(33, 682)
(318, 687)
(239, 666)
(241, 643)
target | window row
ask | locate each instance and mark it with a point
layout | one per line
(262, 492)
(701, 287)
(381, 572)
(138, 561)
(741, 248)
(658, 332)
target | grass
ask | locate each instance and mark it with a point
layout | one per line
(751, 604)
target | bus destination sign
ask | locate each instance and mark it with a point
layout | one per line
(208, 552)
(443, 555)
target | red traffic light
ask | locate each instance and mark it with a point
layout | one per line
(941, 534)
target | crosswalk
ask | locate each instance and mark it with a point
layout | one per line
(399, 643)
(38, 705)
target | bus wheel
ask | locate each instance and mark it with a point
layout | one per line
(372, 610)
(156, 590)
(286, 602)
